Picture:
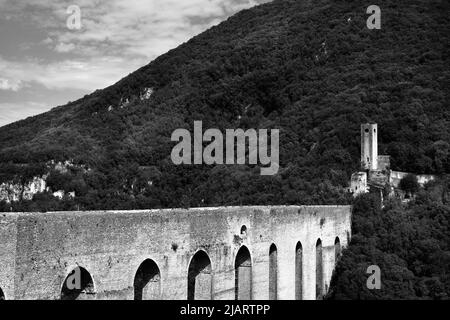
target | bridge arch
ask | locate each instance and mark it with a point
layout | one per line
(319, 270)
(147, 281)
(200, 278)
(243, 274)
(78, 285)
(337, 249)
(2, 295)
(273, 272)
(299, 271)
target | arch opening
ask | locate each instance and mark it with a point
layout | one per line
(78, 285)
(2, 295)
(319, 270)
(273, 272)
(299, 272)
(147, 281)
(243, 274)
(337, 250)
(200, 277)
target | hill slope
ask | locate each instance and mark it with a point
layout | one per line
(410, 244)
(310, 68)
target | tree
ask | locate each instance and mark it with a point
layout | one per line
(409, 243)
(409, 184)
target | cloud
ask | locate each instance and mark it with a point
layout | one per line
(116, 38)
(47, 41)
(88, 75)
(146, 28)
(64, 47)
(13, 85)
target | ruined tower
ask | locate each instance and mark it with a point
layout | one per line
(375, 170)
(369, 146)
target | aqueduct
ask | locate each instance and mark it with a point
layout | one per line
(226, 253)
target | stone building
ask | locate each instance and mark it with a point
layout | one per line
(375, 169)
(376, 175)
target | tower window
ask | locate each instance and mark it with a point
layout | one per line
(367, 130)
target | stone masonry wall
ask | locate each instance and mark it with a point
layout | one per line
(38, 250)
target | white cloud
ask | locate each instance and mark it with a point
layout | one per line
(13, 85)
(64, 47)
(134, 27)
(117, 37)
(146, 28)
(47, 40)
(88, 75)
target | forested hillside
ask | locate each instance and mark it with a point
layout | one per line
(309, 68)
(410, 245)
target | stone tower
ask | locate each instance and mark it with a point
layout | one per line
(369, 146)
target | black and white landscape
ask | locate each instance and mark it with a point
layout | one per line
(318, 73)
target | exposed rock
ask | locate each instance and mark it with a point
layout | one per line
(15, 191)
(11, 191)
(147, 94)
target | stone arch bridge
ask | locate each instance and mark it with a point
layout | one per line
(227, 253)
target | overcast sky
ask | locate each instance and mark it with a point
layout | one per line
(44, 64)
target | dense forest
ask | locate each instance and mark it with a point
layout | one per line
(410, 244)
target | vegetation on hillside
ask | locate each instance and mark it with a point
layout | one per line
(410, 244)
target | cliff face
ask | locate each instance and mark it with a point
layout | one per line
(11, 191)
(20, 189)
(309, 68)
